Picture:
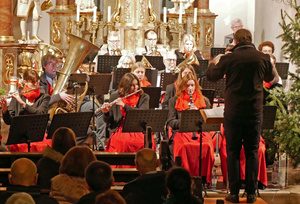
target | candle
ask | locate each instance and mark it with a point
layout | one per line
(195, 15)
(165, 14)
(108, 14)
(77, 12)
(180, 13)
(95, 14)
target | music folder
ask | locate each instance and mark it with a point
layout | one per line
(214, 115)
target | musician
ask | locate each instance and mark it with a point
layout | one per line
(49, 64)
(151, 43)
(189, 97)
(31, 102)
(188, 45)
(115, 114)
(171, 88)
(126, 61)
(139, 70)
(113, 44)
(169, 61)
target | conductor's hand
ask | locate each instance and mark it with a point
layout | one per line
(119, 102)
(216, 59)
(106, 110)
(66, 97)
(3, 104)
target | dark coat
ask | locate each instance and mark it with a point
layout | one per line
(146, 189)
(43, 83)
(170, 92)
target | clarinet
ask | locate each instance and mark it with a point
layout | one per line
(191, 104)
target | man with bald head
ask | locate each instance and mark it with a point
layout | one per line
(149, 187)
(23, 178)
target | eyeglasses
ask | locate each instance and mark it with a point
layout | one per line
(52, 64)
(237, 27)
(114, 41)
(152, 39)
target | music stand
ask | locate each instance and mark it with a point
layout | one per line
(151, 75)
(154, 94)
(146, 121)
(166, 79)
(214, 51)
(210, 94)
(78, 122)
(76, 85)
(118, 74)
(27, 129)
(192, 121)
(90, 58)
(219, 86)
(269, 114)
(282, 69)
(107, 63)
(155, 61)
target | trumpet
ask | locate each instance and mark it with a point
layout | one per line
(112, 103)
(9, 95)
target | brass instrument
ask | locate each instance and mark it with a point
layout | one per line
(146, 62)
(46, 5)
(154, 52)
(79, 49)
(191, 59)
(112, 103)
(117, 52)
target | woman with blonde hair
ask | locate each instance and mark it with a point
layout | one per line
(188, 46)
(139, 70)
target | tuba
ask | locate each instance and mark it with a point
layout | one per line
(191, 59)
(78, 50)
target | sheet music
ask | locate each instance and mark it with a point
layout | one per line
(215, 112)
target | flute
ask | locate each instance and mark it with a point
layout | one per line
(21, 93)
(112, 103)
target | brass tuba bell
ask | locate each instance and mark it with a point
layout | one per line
(191, 59)
(78, 50)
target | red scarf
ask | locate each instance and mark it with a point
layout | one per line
(50, 90)
(31, 95)
(145, 83)
(130, 101)
(183, 101)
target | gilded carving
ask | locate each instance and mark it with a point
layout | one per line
(198, 34)
(208, 34)
(127, 11)
(56, 31)
(142, 12)
(69, 29)
(9, 59)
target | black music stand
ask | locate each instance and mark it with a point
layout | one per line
(90, 58)
(107, 63)
(269, 114)
(76, 86)
(78, 122)
(155, 61)
(282, 69)
(118, 74)
(210, 94)
(166, 79)
(192, 121)
(146, 121)
(214, 51)
(219, 86)
(27, 129)
(154, 94)
(151, 75)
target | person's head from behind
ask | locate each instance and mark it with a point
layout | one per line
(23, 172)
(139, 70)
(188, 44)
(178, 181)
(113, 40)
(20, 198)
(49, 64)
(267, 47)
(169, 60)
(129, 83)
(146, 161)
(63, 139)
(126, 61)
(243, 36)
(99, 176)
(236, 24)
(150, 39)
(76, 160)
(228, 49)
(110, 197)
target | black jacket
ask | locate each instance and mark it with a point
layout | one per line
(43, 83)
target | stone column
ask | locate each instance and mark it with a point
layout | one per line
(6, 21)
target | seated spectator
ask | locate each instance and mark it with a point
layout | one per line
(20, 198)
(63, 139)
(99, 177)
(70, 185)
(179, 183)
(149, 187)
(23, 178)
(110, 197)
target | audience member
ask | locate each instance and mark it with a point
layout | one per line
(70, 185)
(63, 139)
(99, 177)
(110, 197)
(20, 198)
(236, 24)
(179, 183)
(149, 187)
(23, 178)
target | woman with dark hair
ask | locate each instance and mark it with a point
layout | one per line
(63, 139)
(139, 70)
(178, 181)
(188, 46)
(115, 114)
(183, 144)
(70, 185)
